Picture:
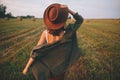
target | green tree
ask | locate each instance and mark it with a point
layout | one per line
(9, 15)
(2, 10)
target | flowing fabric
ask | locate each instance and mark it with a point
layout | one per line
(54, 59)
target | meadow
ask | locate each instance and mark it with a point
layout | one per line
(99, 40)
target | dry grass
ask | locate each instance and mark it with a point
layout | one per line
(98, 39)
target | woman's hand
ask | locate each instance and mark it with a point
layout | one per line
(66, 7)
(29, 63)
(25, 71)
(63, 6)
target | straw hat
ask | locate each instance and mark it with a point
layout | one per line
(55, 17)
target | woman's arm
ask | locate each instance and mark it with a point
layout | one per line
(31, 60)
(42, 38)
(78, 20)
(77, 17)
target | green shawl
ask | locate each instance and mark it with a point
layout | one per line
(57, 57)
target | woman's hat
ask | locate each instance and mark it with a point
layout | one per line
(55, 17)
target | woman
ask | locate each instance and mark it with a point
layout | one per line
(46, 64)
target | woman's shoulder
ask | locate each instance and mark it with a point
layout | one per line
(44, 32)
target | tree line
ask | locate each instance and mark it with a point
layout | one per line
(3, 13)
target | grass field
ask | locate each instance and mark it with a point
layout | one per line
(98, 39)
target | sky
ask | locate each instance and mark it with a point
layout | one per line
(86, 8)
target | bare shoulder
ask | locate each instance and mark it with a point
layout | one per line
(44, 32)
(42, 38)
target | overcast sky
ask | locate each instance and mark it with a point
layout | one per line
(87, 8)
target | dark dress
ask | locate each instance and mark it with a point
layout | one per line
(56, 58)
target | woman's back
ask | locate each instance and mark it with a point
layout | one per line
(50, 38)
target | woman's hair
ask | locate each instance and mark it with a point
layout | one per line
(56, 32)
